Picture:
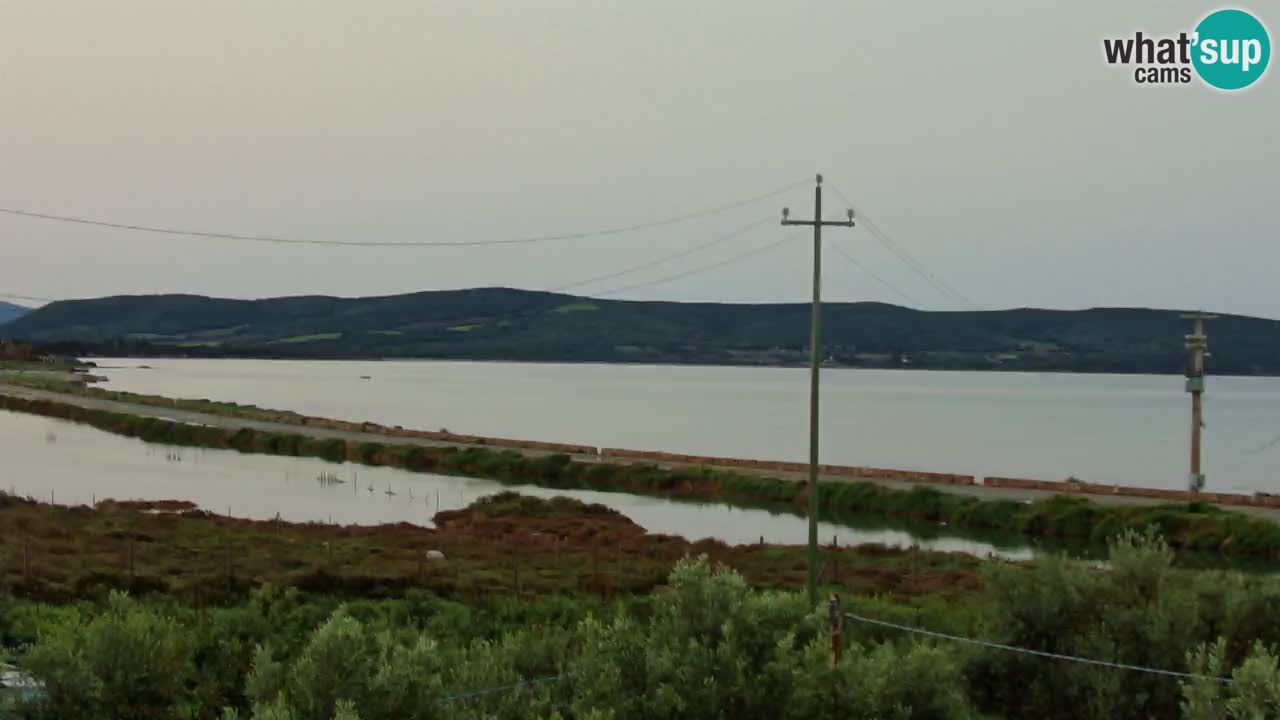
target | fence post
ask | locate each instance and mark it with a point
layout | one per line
(835, 558)
(836, 625)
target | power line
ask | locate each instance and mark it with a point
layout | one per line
(1264, 447)
(535, 307)
(919, 267)
(874, 276)
(736, 233)
(502, 688)
(619, 230)
(1038, 653)
(666, 258)
(694, 271)
(588, 281)
(906, 257)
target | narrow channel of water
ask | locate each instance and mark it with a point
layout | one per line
(74, 464)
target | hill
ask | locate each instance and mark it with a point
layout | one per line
(9, 312)
(506, 324)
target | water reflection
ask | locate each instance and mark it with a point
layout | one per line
(84, 465)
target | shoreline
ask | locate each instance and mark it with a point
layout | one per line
(650, 363)
(1027, 511)
(992, 487)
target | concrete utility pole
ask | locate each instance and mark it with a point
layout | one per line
(1197, 344)
(815, 361)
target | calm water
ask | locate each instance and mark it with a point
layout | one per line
(1101, 428)
(75, 464)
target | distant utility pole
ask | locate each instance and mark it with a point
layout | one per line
(815, 361)
(1197, 344)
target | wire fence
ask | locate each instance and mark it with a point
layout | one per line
(1037, 653)
(542, 680)
(459, 697)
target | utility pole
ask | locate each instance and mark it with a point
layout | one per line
(1197, 344)
(815, 361)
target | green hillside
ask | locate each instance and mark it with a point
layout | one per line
(499, 323)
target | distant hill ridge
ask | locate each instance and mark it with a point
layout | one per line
(10, 312)
(507, 324)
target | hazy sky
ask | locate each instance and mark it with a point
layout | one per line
(988, 138)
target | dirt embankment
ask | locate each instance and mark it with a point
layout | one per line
(1097, 489)
(853, 471)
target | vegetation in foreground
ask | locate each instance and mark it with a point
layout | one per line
(708, 646)
(1194, 526)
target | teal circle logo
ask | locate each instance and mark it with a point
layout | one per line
(1232, 49)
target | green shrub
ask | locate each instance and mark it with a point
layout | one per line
(128, 662)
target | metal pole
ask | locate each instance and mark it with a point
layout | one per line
(1197, 407)
(1197, 343)
(815, 361)
(1197, 421)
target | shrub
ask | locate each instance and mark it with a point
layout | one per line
(129, 662)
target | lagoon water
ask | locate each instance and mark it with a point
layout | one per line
(57, 461)
(1125, 429)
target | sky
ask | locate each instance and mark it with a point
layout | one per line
(990, 140)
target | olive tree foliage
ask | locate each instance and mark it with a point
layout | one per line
(1135, 610)
(1252, 693)
(128, 662)
(709, 648)
(345, 666)
(713, 648)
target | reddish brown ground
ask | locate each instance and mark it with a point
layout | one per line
(524, 546)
